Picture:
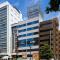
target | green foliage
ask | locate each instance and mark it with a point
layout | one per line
(46, 52)
(53, 6)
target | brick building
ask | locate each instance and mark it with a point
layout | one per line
(49, 34)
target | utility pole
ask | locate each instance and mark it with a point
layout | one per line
(30, 52)
(26, 46)
(32, 42)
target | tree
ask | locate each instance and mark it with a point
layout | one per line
(53, 6)
(46, 52)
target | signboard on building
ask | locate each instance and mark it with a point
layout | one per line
(35, 56)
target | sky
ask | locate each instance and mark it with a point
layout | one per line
(22, 5)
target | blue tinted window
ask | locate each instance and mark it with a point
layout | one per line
(29, 29)
(34, 33)
(29, 39)
(29, 23)
(32, 28)
(29, 34)
(21, 25)
(35, 27)
(34, 22)
(22, 30)
(22, 43)
(23, 39)
(29, 42)
(22, 35)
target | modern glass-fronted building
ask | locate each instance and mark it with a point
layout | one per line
(3, 29)
(27, 33)
(8, 16)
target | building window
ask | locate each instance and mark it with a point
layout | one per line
(29, 29)
(22, 35)
(22, 30)
(34, 22)
(19, 26)
(33, 33)
(23, 39)
(22, 43)
(29, 42)
(32, 28)
(29, 34)
(46, 25)
(48, 30)
(35, 27)
(32, 41)
(29, 39)
(35, 41)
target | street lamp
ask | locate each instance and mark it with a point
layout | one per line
(26, 46)
(31, 42)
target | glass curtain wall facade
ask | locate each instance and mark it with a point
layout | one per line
(28, 36)
(29, 40)
(3, 29)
